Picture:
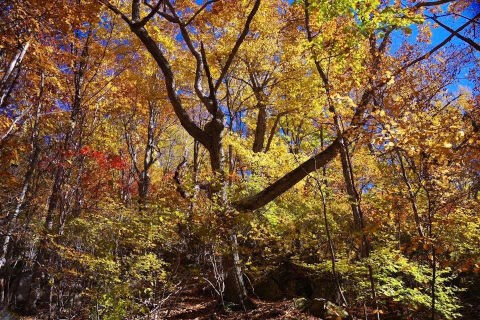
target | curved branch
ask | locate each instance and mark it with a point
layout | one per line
(198, 58)
(153, 11)
(116, 11)
(187, 123)
(237, 45)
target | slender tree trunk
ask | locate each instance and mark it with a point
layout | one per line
(235, 290)
(327, 227)
(411, 197)
(331, 248)
(434, 280)
(148, 158)
(430, 209)
(359, 224)
(11, 219)
(347, 168)
(39, 273)
(71, 143)
(273, 130)
(6, 82)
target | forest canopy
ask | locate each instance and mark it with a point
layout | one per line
(318, 157)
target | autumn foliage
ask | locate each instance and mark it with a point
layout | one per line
(253, 150)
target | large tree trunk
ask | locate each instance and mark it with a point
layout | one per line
(260, 128)
(235, 290)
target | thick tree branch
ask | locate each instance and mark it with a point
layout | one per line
(290, 179)
(117, 11)
(319, 160)
(154, 10)
(187, 123)
(164, 65)
(273, 130)
(209, 77)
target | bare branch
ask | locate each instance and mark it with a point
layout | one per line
(198, 58)
(199, 11)
(237, 45)
(458, 35)
(431, 3)
(437, 47)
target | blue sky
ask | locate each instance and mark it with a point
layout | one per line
(439, 34)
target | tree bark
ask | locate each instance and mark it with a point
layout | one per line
(14, 63)
(32, 164)
(260, 128)
(289, 180)
(411, 197)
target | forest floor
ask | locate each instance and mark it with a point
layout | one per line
(203, 309)
(197, 303)
(191, 305)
